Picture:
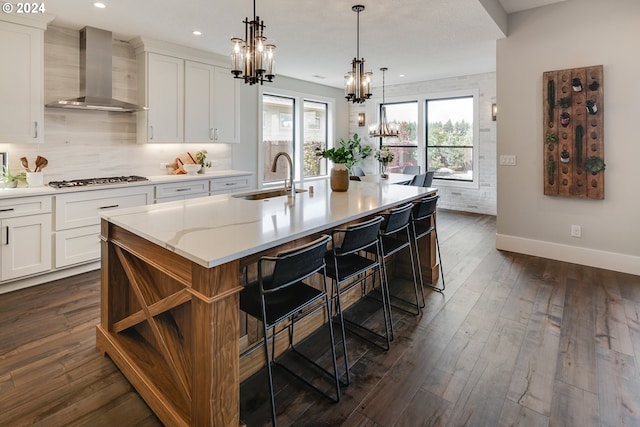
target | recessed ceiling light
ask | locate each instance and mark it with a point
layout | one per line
(197, 33)
(401, 75)
(100, 5)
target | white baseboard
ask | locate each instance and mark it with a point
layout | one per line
(48, 277)
(577, 255)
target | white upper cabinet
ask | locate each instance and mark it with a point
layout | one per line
(161, 88)
(190, 99)
(21, 83)
(199, 102)
(211, 104)
(226, 106)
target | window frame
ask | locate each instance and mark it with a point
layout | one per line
(381, 140)
(298, 129)
(474, 137)
(421, 126)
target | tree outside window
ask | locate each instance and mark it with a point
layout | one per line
(405, 147)
(450, 138)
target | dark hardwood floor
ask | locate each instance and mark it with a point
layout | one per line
(515, 340)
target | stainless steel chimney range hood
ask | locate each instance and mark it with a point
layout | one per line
(95, 76)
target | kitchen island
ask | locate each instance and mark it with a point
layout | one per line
(171, 274)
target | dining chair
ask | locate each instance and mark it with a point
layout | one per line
(418, 180)
(279, 294)
(357, 171)
(428, 178)
(411, 170)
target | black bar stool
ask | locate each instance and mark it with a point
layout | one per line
(346, 266)
(395, 235)
(280, 294)
(424, 223)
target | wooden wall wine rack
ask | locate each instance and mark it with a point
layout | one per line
(573, 132)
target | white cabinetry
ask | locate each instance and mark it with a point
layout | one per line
(199, 102)
(190, 98)
(77, 236)
(181, 190)
(226, 96)
(161, 88)
(21, 83)
(25, 236)
(211, 107)
(229, 184)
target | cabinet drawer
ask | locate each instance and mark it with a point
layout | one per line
(77, 245)
(229, 185)
(188, 188)
(83, 208)
(10, 208)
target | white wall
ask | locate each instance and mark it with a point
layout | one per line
(481, 199)
(575, 33)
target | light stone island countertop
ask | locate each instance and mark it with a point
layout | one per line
(6, 193)
(214, 230)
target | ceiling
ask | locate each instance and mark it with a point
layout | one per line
(316, 41)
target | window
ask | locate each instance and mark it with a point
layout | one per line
(404, 115)
(450, 138)
(277, 133)
(315, 136)
(296, 125)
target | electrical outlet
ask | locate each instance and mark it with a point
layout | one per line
(576, 231)
(163, 165)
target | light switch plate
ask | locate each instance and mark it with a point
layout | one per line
(507, 160)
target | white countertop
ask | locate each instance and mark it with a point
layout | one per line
(6, 193)
(214, 230)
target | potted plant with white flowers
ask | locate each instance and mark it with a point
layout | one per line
(384, 156)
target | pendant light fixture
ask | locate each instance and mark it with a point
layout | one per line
(252, 57)
(383, 129)
(358, 81)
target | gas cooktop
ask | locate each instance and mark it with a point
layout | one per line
(96, 181)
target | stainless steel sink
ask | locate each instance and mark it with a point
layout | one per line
(261, 195)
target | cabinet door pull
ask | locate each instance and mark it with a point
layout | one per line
(151, 132)
(5, 230)
(230, 183)
(215, 134)
(211, 133)
(108, 207)
(6, 210)
(183, 189)
(36, 129)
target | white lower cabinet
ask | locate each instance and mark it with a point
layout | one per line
(52, 233)
(230, 184)
(77, 245)
(25, 237)
(77, 235)
(181, 190)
